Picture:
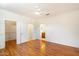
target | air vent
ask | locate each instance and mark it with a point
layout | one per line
(47, 14)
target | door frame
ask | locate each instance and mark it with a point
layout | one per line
(16, 29)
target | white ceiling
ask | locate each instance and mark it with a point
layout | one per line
(29, 9)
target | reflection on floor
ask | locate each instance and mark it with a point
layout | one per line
(33, 48)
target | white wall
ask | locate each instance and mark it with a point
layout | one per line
(2, 29)
(36, 29)
(21, 23)
(63, 28)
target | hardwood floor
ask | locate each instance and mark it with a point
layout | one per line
(33, 48)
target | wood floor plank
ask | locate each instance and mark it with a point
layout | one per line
(33, 48)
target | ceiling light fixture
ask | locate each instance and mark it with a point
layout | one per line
(37, 13)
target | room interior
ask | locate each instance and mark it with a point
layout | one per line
(39, 29)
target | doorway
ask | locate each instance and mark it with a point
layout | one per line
(30, 31)
(10, 32)
(42, 31)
